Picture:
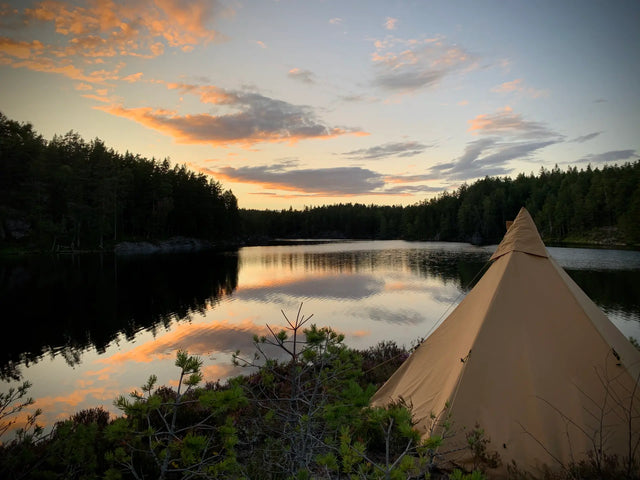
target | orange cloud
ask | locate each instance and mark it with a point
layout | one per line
(390, 23)
(509, 86)
(405, 66)
(97, 98)
(84, 87)
(197, 339)
(258, 119)
(101, 375)
(20, 49)
(360, 333)
(50, 66)
(184, 22)
(207, 93)
(487, 121)
(518, 86)
(218, 372)
(178, 22)
(507, 122)
(74, 398)
(99, 30)
(134, 77)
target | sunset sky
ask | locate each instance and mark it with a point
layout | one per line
(311, 102)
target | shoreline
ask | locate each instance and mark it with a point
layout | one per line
(181, 245)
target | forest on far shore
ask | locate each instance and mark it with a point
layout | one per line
(70, 194)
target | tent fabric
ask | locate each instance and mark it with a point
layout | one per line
(531, 360)
(522, 236)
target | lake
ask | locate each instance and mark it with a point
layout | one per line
(87, 328)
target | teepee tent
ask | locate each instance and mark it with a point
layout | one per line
(531, 360)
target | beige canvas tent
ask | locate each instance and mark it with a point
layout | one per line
(529, 358)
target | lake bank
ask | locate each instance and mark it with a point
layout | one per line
(600, 239)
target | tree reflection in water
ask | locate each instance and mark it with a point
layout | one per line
(66, 304)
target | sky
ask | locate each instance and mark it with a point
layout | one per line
(296, 103)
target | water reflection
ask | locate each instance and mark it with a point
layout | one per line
(351, 286)
(117, 320)
(64, 305)
(613, 290)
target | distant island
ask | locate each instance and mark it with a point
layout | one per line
(67, 194)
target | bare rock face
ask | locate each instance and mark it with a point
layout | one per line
(172, 245)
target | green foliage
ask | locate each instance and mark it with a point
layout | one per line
(73, 450)
(18, 454)
(381, 360)
(298, 405)
(14, 402)
(478, 444)
(187, 432)
(460, 475)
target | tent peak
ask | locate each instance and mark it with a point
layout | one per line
(522, 236)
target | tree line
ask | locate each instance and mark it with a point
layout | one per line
(591, 205)
(68, 193)
(72, 194)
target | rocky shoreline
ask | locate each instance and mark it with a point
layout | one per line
(171, 245)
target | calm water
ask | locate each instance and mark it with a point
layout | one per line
(89, 328)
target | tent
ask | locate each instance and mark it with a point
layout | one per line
(531, 360)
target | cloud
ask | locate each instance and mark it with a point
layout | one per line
(256, 119)
(324, 182)
(261, 44)
(506, 122)
(198, 339)
(489, 157)
(59, 66)
(93, 33)
(406, 190)
(345, 286)
(335, 181)
(585, 138)
(612, 156)
(398, 316)
(505, 136)
(179, 23)
(357, 98)
(304, 76)
(97, 98)
(83, 87)
(336, 21)
(406, 66)
(20, 49)
(407, 178)
(398, 149)
(390, 23)
(134, 77)
(517, 86)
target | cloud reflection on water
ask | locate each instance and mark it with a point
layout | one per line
(398, 316)
(339, 287)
